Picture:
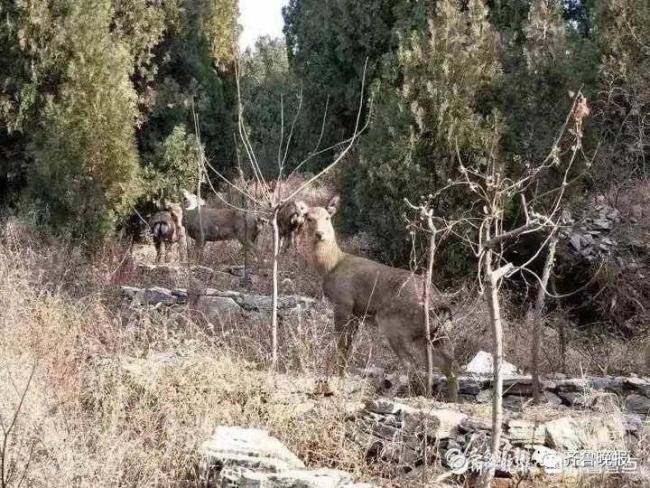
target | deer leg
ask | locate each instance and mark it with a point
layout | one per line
(160, 249)
(198, 248)
(442, 359)
(345, 326)
(444, 356)
(404, 345)
(168, 249)
(182, 247)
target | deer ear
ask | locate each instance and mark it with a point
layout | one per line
(334, 204)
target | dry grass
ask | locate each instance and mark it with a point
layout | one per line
(124, 399)
(121, 400)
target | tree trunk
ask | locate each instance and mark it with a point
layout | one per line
(274, 313)
(492, 297)
(427, 303)
(535, 315)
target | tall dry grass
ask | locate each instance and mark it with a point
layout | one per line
(124, 399)
(113, 396)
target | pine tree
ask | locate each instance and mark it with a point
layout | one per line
(429, 108)
(623, 109)
(86, 162)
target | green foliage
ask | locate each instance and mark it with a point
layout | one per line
(95, 93)
(624, 104)
(187, 83)
(544, 64)
(328, 44)
(85, 169)
(177, 167)
(271, 100)
(428, 112)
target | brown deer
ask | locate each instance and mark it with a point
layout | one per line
(291, 217)
(360, 288)
(204, 224)
(167, 229)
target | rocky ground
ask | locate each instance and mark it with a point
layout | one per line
(591, 415)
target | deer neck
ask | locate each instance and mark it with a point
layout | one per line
(327, 255)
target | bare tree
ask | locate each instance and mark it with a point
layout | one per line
(493, 193)
(270, 201)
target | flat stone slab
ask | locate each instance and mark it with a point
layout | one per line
(250, 448)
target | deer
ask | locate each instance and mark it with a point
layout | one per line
(167, 229)
(204, 224)
(362, 289)
(291, 217)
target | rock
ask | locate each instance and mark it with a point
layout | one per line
(576, 242)
(548, 459)
(518, 385)
(383, 406)
(447, 420)
(158, 295)
(572, 384)
(606, 383)
(400, 454)
(637, 211)
(551, 398)
(248, 448)
(468, 386)
(639, 384)
(515, 402)
(590, 432)
(180, 294)
(219, 310)
(472, 424)
(637, 404)
(562, 434)
(572, 398)
(317, 478)
(398, 384)
(604, 402)
(439, 423)
(525, 432)
(604, 224)
(484, 396)
(130, 291)
(482, 364)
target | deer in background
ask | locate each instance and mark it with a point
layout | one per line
(291, 217)
(360, 288)
(204, 224)
(167, 229)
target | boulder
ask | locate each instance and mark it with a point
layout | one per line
(637, 404)
(525, 432)
(253, 449)
(219, 310)
(482, 364)
(591, 433)
(159, 296)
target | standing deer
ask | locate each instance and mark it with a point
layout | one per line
(167, 229)
(218, 224)
(291, 217)
(360, 288)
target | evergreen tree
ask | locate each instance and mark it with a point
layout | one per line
(429, 108)
(623, 109)
(86, 162)
(328, 43)
(268, 90)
